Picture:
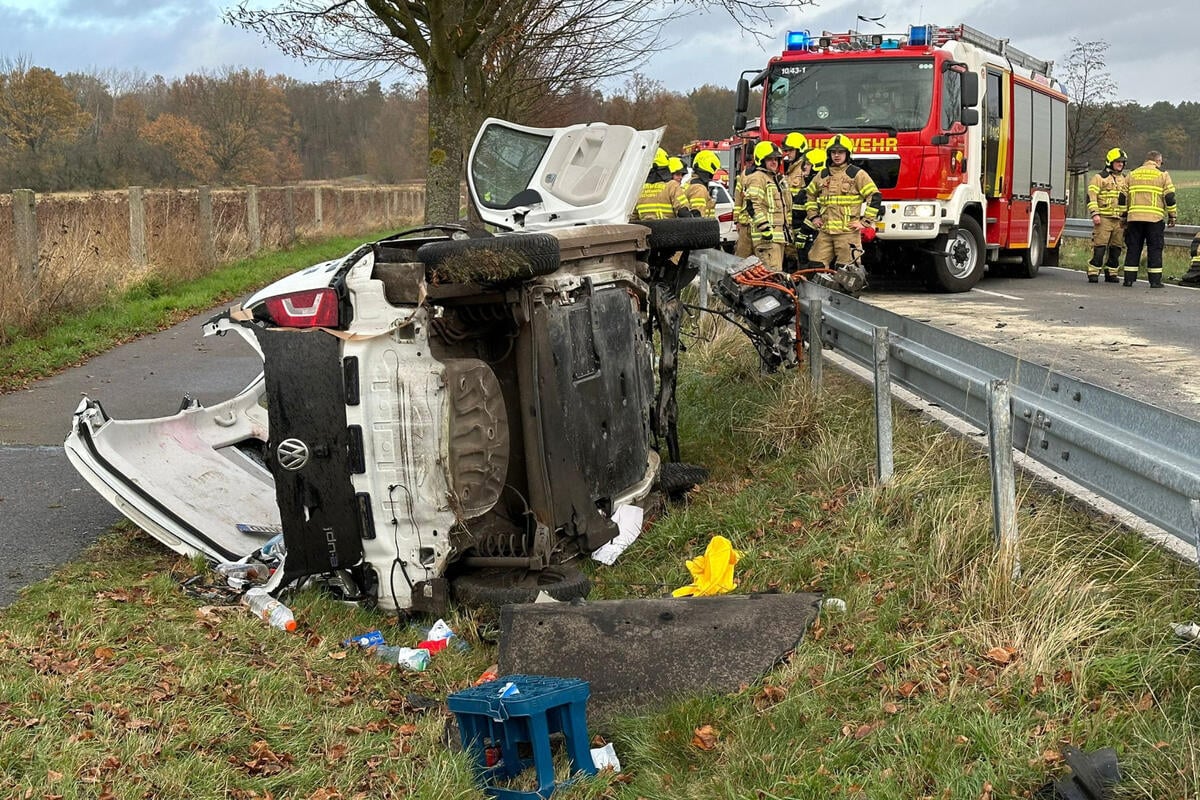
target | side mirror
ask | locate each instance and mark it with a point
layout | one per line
(970, 90)
(739, 122)
(743, 98)
(970, 116)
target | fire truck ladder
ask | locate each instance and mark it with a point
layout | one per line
(1000, 47)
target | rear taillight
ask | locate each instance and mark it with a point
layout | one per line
(726, 217)
(312, 308)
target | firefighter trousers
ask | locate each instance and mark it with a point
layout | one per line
(832, 249)
(1150, 234)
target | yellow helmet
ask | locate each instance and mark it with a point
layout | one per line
(660, 158)
(676, 165)
(816, 157)
(706, 161)
(765, 150)
(1116, 154)
(795, 141)
(840, 142)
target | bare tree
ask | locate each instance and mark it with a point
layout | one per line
(481, 57)
(1095, 118)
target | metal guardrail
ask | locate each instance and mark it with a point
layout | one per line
(1179, 236)
(1143, 458)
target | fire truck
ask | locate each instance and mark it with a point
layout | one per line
(721, 147)
(965, 136)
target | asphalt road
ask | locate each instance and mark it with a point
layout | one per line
(47, 513)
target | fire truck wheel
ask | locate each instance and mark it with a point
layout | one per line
(960, 258)
(494, 259)
(1032, 257)
(696, 233)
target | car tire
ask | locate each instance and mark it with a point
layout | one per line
(676, 479)
(495, 587)
(490, 260)
(683, 233)
(963, 265)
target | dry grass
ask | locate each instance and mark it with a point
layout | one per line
(84, 240)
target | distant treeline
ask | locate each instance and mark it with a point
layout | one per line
(237, 126)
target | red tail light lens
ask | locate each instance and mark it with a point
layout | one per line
(312, 308)
(726, 217)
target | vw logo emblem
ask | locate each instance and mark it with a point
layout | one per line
(292, 454)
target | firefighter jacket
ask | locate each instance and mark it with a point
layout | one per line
(1151, 194)
(768, 206)
(739, 200)
(699, 200)
(837, 196)
(660, 200)
(1108, 193)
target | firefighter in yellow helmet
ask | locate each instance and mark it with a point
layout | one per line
(842, 200)
(1192, 276)
(795, 174)
(678, 172)
(744, 166)
(660, 199)
(704, 165)
(1151, 209)
(768, 205)
(815, 157)
(1106, 194)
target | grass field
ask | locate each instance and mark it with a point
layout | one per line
(942, 679)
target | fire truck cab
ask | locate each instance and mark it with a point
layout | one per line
(964, 135)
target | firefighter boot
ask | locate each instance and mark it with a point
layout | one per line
(1113, 266)
(1130, 276)
(1093, 268)
(1156, 280)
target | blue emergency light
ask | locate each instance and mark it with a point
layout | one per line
(890, 44)
(920, 35)
(798, 40)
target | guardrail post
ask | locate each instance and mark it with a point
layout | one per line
(25, 235)
(703, 284)
(137, 226)
(1195, 504)
(816, 348)
(252, 227)
(883, 407)
(208, 237)
(1004, 490)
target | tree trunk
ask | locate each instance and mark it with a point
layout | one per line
(449, 118)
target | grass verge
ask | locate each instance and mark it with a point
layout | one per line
(940, 680)
(67, 339)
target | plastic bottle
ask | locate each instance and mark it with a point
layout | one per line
(268, 609)
(415, 659)
(243, 570)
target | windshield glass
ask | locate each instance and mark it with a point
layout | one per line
(889, 93)
(505, 162)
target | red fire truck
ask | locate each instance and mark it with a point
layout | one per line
(964, 135)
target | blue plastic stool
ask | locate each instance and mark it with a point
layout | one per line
(541, 706)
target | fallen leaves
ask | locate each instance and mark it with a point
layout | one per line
(263, 760)
(769, 696)
(1002, 655)
(705, 737)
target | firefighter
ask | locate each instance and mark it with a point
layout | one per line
(1106, 193)
(704, 165)
(678, 173)
(834, 206)
(1192, 276)
(802, 230)
(1151, 199)
(660, 199)
(744, 247)
(795, 174)
(768, 206)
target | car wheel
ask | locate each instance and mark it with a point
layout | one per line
(676, 478)
(495, 259)
(684, 233)
(1031, 257)
(960, 262)
(494, 587)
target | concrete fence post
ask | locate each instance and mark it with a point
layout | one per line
(137, 226)
(289, 214)
(208, 233)
(337, 202)
(318, 213)
(25, 235)
(253, 229)
(883, 406)
(1004, 487)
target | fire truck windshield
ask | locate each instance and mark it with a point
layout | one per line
(848, 94)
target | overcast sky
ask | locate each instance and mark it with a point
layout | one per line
(1152, 54)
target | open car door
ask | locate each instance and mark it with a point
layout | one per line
(537, 178)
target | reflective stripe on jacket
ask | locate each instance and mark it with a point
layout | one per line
(700, 200)
(767, 205)
(837, 196)
(1151, 194)
(1104, 193)
(659, 201)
